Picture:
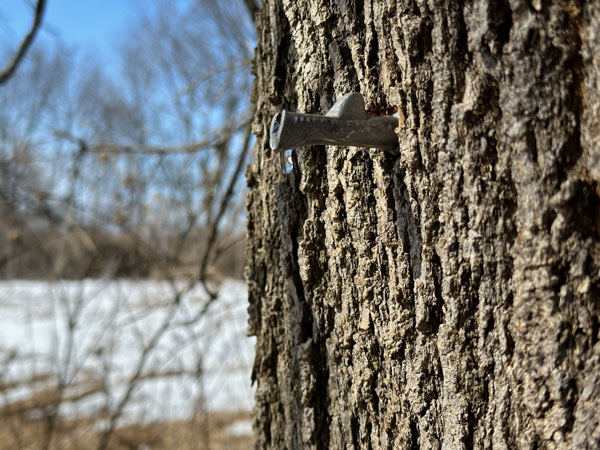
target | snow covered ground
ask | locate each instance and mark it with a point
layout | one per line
(92, 335)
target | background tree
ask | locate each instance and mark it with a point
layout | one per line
(144, 163)
(131, 170)
(447, 297)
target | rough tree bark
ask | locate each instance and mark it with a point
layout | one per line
(448, 296)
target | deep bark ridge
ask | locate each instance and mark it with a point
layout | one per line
(448, 296)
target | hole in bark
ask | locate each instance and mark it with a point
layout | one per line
(532, 145)
(489, 326)
(586, 207)
(373, 53)
(436, 315)
(501, 17)
(463, 47)
(423, 42)
(322, 419)
(283, 55)
(355, 432)
(594, 328)
(414, 434)
(360, 9)
(471, 424)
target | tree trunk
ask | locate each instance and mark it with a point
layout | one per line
(448, 296)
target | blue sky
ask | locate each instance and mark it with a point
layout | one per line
(89, 25)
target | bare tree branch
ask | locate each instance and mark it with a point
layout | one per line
(214, 228)
(252, 7)
(233, 65)
(213, 231)
(192, 147)
(138, 375)
(10, 70)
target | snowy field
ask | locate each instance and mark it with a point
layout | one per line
(96, 339)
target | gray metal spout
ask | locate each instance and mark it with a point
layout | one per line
(346, 124)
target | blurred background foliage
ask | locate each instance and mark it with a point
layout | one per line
(132, 169)
(121, 200)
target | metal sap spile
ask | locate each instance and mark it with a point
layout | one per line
(346, 124)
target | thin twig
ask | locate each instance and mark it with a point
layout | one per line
(252, 7)
(214, 228)
(137, 376)
(192, 147)
(12, 66)
(245, 62)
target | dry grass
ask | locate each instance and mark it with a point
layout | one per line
(211, 431)
(78, 398)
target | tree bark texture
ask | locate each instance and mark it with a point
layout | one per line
(447, 296)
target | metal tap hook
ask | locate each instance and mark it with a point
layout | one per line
(346, 124)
